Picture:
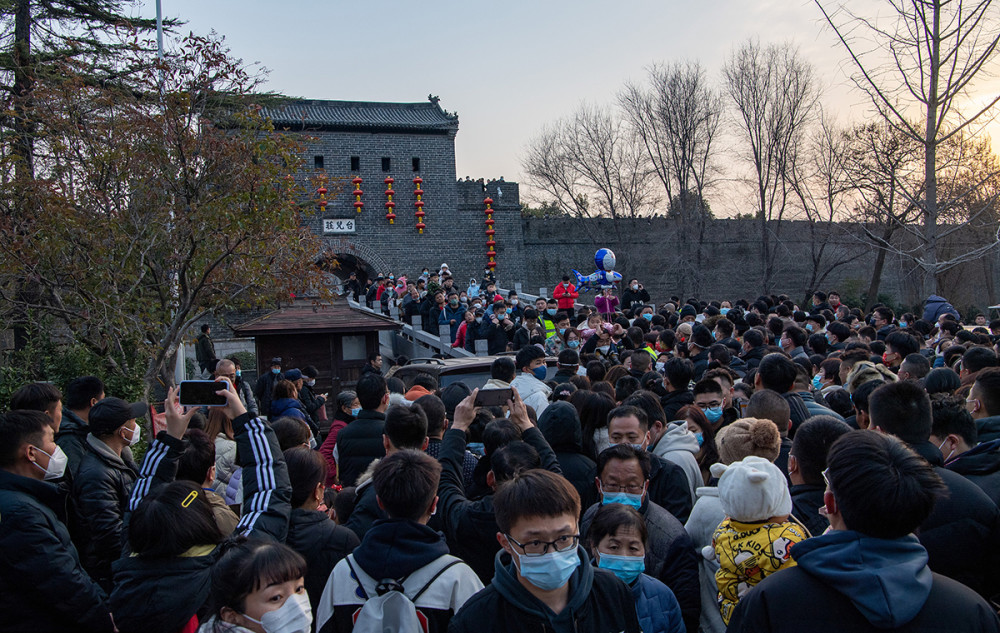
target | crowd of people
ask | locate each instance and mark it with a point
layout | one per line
(687, 466)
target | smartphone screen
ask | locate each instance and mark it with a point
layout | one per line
(493, 397)
(201, 393)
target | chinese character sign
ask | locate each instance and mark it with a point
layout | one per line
(334, 225)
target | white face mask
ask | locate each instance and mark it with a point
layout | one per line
(136, 435)
(57, 464)
(295, 616)
(311, 383)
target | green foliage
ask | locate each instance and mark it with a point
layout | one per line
(545, 210)
(44, 359)
(247, 360)
(153, 206)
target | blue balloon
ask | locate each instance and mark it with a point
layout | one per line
(604, 259)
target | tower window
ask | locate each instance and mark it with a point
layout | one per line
(355, 163)
(318, 162)
(386, 163)
(416, 164)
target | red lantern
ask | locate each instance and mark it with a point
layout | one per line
(490, 232)
(419, 204)
(322, 191)
(389, 205)
(358, 205)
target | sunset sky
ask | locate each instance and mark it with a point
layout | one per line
(509, 68)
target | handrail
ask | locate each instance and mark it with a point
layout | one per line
(416, 334)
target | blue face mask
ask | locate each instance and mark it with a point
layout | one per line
(809, 327)
(828, 339)
(648, 316)
(902, 324)
(723, 311)
(627, 568)
(510, 310)
(355, 412)
(562, 331)
(623, 498)
(713, 414)
(573, 344)
(700, 437)
(275, 371)
(551, 312)
(548, 571)
(817, 382)
(238, 373)
(540, 372)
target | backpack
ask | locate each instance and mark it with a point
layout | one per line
(391, 610)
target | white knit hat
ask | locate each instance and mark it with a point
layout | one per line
(752, 490)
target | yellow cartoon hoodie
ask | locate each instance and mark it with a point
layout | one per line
(756, 538)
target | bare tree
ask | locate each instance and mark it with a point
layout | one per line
(592, 165)
(882, 165)
(924, 55)
(677, 116)
(774, 95)
(822, 187)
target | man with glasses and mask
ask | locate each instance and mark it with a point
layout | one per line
(43, 586)
(668, 485)
(623, 474)
(544, 579)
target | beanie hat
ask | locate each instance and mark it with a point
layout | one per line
(688, 310)
(865, 371)
(293, 374)
(752, 490)
(748, 436)
(701, 337)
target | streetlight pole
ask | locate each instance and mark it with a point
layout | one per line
(180, 364)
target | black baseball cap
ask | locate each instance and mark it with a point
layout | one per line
(111, 413)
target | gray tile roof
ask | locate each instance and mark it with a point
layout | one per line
(314, 113)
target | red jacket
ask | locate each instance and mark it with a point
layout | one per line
(565, 295)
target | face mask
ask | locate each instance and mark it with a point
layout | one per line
(239, 373)
(477, 305)
(700, 437)
(885, 358)
(623, 498)
(817, 382)
(513, 301)
(275, 371)
(941, 448)
(295, 616)
(548, 571)
(479, 319)
(604, 349)
(510, 310)
(355, 412)
(135, 436)
(627, 568)
(562, 331)
(648, 316)
(723, 311)
(635, 286)
(551, 311)
(581, 371)
(57, 464)
(454, 302)
(902, 324)
(809, 327)
(713, 414)
(540, 372)
(573, 344)
(828, 339)
(660, 366)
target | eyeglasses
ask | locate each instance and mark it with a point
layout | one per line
(632, 489)
(539, 548)
(826, 478)
(708, 405)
